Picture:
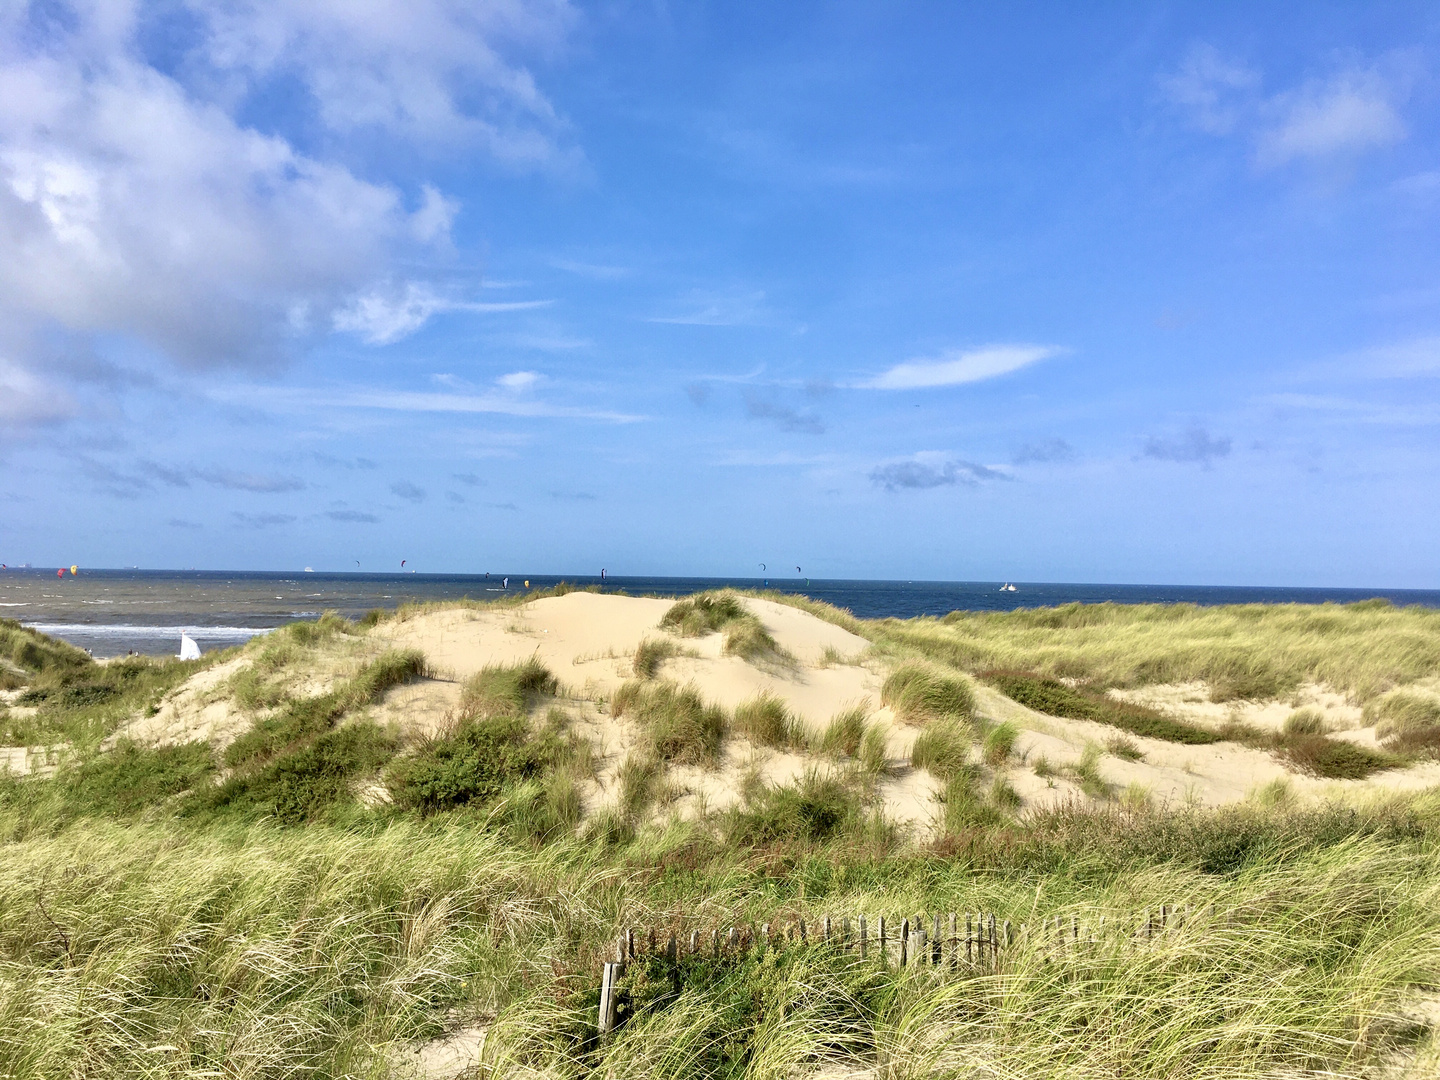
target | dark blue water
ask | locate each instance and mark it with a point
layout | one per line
(112, 612)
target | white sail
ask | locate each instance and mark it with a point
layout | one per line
(188, 649)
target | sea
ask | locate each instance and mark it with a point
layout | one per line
(116, 612)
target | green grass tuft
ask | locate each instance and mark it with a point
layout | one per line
(943, 749)
(1407, 723)
(506, 690)
(678, 724)
(766, 721)
(845, 731)
(920, 694)
(650, 654)
(1056, 699)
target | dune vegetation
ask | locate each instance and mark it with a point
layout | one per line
(329, 889)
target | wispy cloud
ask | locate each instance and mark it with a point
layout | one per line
(782, 416)
(957, 367)
(1211, 88)
(931, 470)
(261, 521)
(1195, 444)
(505, 404)
(596, 271)
(410, 492)
(1043, 452)
(354, 517)
(384, 317)
(1347, 114)
(701, 308)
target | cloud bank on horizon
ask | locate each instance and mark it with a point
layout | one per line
(544, 285)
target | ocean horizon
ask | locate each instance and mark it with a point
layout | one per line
(113, 612)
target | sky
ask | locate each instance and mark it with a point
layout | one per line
(1035, 292)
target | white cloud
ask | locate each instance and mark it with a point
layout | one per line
(431, 72)
(27, 401)
(956, 367)
(519, 380)
(381, 317)
(139, 203)
(1210, 87)
(702, 308)
(1352, 112)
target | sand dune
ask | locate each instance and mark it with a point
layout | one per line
(588, 641)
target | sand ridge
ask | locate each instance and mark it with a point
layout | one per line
(588, 641)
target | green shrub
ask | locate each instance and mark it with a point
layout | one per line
(919, 694)
(1086, 772)
(130, 777)
(302, 784)
(1331, 759)
(766, 721)
(474, 765)
(1124, 748)
(814, 809)
(1054, 698)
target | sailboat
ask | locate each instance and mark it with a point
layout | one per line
(1007, 587)
(188, 649)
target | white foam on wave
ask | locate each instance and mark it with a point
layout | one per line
(227, 633)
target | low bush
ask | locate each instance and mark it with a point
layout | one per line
(1331, 759)
(306, 781)
(920, 694)
(814, 809)
(474, 765)
(130, 777)
(1124, 748)
(1054, 698)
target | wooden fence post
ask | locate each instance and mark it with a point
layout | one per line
(609, 997)
(864, 938)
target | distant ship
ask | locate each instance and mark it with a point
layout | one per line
(1007, 587)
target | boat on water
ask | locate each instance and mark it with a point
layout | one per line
(1007, 587)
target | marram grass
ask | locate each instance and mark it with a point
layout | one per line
(153, 950)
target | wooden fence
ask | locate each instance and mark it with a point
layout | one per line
(954, 942)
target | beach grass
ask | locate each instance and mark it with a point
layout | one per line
(1238, 651)
(167, 911)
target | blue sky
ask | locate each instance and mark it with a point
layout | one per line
(1033, 292)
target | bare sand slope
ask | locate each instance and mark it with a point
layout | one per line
(1177, 774)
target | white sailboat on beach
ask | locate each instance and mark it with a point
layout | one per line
(188, 649)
